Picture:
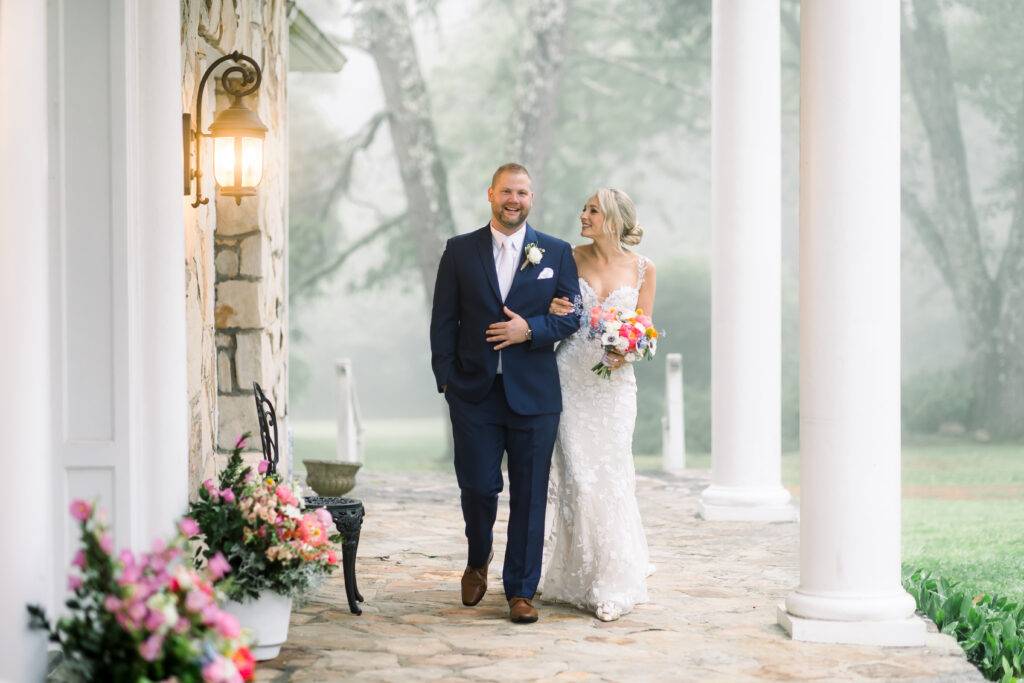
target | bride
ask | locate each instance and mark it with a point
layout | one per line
(599, 558)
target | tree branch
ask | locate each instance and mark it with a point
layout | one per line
(361, 140)
(311, 280)
(928, 234)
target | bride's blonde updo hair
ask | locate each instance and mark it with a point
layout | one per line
(619, 216)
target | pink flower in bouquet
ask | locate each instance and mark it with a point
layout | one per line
(79, 559)
(74, 583)
(150, 649)
(154, 620)
(325, 517)
(227, 495)
(196, 601)
(311, 530)
(285, 495)
(221, 670)
(81, 510)
(227, 625)
(107, 543)
(241, 441)
(332, 557)
(263, 466)
(188, 527)
(219, 566)
(211, 488)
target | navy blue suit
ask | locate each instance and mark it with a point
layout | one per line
(515, 412)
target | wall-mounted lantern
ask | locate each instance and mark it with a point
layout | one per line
(237, 134)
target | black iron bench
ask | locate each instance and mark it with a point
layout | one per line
(347, 513)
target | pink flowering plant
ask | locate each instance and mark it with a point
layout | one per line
(256, 525)
(145, 617)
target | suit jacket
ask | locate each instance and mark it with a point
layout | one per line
(467, 299)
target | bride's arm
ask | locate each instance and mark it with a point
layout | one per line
(645, 301)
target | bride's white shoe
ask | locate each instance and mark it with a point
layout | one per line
(608, 611)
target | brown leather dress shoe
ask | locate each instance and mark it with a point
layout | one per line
(522, 611)
(474, 583)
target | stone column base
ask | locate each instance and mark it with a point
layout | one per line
(736, 504)
(910, 632)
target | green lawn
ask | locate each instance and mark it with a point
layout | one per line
(963, 507)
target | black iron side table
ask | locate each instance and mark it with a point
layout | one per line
(347, 514)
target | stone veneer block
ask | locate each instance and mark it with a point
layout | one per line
(224, 382)
(239, 304)
(253, 361)
(227, 263)
(236, 415)
(252, 250)
(892, 633)
(237, 219)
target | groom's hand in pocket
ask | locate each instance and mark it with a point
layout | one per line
(513, 331)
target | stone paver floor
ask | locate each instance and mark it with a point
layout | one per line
(711, 615)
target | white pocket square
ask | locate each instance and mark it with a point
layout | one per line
(545, 274)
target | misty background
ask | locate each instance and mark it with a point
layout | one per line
(393, 155)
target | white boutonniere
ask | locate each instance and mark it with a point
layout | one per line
(533, 253)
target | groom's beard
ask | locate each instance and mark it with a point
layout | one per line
(512, 223)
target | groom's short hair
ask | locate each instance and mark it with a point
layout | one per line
(509, 168)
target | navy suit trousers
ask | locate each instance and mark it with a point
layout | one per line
(483, 432)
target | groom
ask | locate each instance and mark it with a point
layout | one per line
(492, 350)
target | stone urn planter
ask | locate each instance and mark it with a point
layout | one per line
(331, 477)
(267, 617)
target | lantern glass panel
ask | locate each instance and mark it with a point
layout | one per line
(224, 160)
(252, 161)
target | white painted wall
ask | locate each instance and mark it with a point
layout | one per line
(25, 457)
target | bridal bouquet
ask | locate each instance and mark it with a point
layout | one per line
(257, 524)
(145, 617)
(625, 332)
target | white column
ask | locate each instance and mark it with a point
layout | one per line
(746, 266)
(850, 588)
(673, 438)
(26, 572)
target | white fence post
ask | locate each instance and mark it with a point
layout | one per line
(673, 435)
(350, 427)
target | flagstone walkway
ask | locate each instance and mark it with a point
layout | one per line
(711, 615)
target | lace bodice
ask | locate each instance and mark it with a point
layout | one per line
(597, 547)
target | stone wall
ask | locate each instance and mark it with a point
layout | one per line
(235, 254)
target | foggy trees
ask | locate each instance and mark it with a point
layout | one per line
(986, 282)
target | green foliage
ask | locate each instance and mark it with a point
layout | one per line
(241, 533)
(936, 397)
(989, 628)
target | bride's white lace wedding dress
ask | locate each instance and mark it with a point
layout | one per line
(598, 557)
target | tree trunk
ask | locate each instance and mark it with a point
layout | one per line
(388, 33)
(537, 88)
(990, 307)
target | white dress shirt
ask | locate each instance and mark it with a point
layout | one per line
(506, 269)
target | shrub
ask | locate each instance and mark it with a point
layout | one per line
(936, 397)
(989, 628)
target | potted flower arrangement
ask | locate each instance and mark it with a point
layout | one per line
(276, 550)
(147, 617)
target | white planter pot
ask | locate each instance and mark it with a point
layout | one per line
(267, 618)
